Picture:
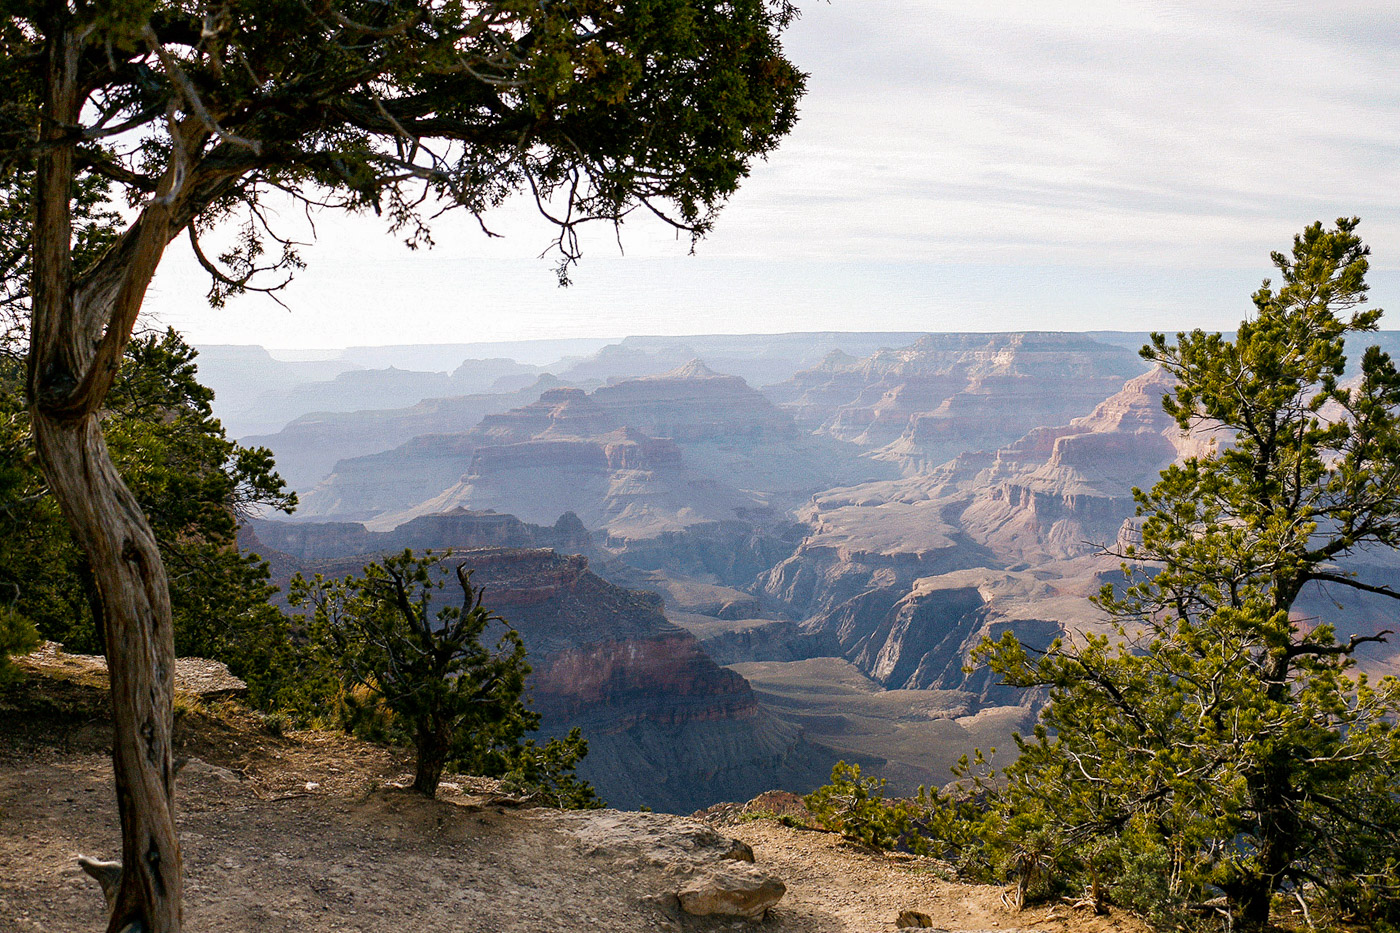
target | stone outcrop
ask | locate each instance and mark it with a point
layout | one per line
(716, 872)
(731, 891)
(198, 678)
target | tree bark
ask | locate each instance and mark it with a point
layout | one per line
(108, 525)
(432, 748)
(79, 331)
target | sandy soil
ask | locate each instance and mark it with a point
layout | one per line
(308, 832)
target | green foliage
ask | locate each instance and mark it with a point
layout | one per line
(17, 636)
(929, 823)
(595, 107)
(547, 772)
(1212, 732)
(855, 807)
(194, 485)
(411, 675)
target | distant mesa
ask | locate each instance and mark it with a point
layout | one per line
(635, 459)
(924, 404)
(311, 445)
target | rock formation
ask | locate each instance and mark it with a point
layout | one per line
(904, 577)
(636, 459)
(326, 541)
(666, 726)
(310, 445)
(949, 393)
(624, 483)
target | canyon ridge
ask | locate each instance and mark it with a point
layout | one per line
(736, 560)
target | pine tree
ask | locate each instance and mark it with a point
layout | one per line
(1217, 734)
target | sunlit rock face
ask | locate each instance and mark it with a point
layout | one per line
(666, 726)
(900, 576)
(949, 393)
(1062, 492)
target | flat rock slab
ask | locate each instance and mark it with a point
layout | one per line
(196, 677)
(680, 843)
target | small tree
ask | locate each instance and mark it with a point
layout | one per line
(1217, 734)
(428, 677)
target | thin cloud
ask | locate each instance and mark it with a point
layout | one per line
(950, 154)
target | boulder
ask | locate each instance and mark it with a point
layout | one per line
(733, 890)
(207, 680)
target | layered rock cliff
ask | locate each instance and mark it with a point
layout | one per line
(636, 459)
(1061, 492)
(666, 726)
(395, 480)
(950, 393)
(308, 448)
(902, 578)
(624, 483)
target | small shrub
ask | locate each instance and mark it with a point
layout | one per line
(17, 637)
(547, 771)
(856, 807)
(276, 723)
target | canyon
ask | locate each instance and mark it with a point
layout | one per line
(786, 546)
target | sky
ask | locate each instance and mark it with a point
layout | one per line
(1024, 164)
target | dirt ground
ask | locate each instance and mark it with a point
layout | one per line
(309, 832)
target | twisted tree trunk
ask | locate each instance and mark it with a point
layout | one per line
(108, 525)
(80, 329)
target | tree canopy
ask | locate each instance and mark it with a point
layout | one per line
(1219, 733)
(402, 108)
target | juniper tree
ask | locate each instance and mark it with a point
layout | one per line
(428, 678)
(194, 113)
(193, 484)
(1218, 732)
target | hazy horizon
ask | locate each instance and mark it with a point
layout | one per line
(309, 354)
